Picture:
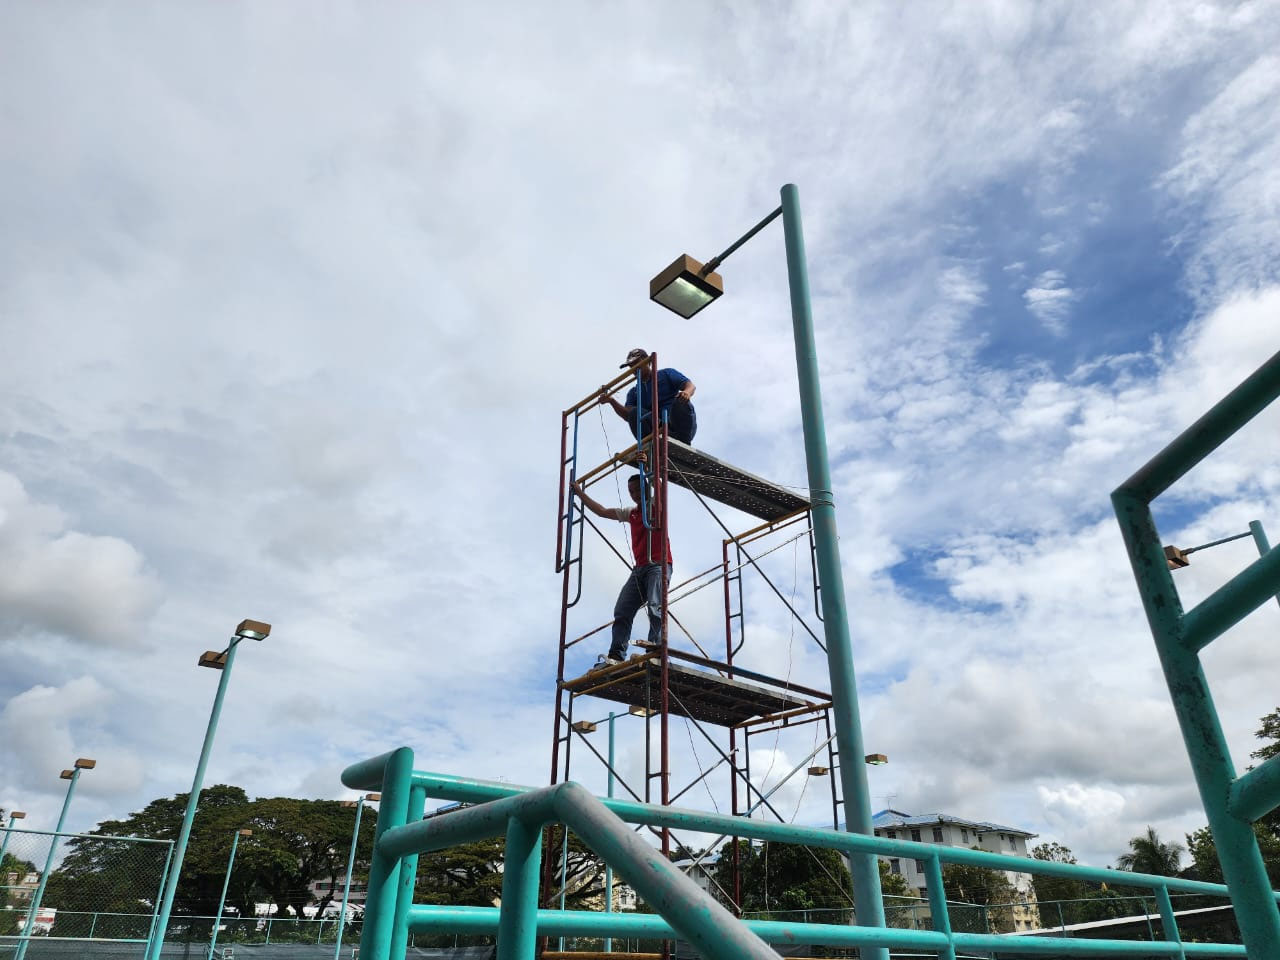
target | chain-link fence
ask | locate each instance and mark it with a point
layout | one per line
(58, 888)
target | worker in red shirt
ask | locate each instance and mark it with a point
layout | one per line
(644, 586)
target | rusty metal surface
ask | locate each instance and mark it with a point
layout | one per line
(700, 694)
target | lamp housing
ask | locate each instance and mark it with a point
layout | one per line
(683, 288)
(245, 833)
(1177, 559)
(17, 815)
(876, 759)
(84, 763)
(253, 630)
(373, 797)
(213, 659)
(638, 711)
(819, 771)
(584, 726)
(65, 775)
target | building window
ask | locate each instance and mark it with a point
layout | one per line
(964, 835)
(937, 834)
(915, 835)
(892, 834)
(895, 866)
(920, 867)
(1013, 844)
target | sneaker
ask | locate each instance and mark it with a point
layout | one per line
(604, 660)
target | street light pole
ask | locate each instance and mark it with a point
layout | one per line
(248, 629)
(608, 870)
(222, 900)
(73, 775)
(351, 863)
(835, 620)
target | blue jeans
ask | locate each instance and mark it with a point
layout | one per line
(643, 588)
(682, 421)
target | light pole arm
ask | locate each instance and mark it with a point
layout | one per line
(835, 621)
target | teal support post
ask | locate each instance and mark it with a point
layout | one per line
(518, 923)
(939, 916)
(29, 926)
(835, 623)
(222, 900)
(608, 870)
(1228, 802)
(155, 912)
(1167, 920)
(1260, 539)
(408, 875)
(193, 800)
(396, 769)
(4, 845)
(346, 885)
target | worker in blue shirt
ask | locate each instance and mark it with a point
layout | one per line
(675, 391)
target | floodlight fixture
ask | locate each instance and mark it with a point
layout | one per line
(65, 775)
(819, 771)
(246, 833)
(348, 803)
(253, 630)
(1177, 559)
(876, 759)
(584, 726)
(213, 659)
(17, 814)
(373, 797)
(638, 711)
(686, 286)
(84, 763)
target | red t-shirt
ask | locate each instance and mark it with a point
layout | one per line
(640, 538)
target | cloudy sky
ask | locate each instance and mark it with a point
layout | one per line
(292, 296)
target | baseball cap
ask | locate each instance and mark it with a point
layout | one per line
(634, 356)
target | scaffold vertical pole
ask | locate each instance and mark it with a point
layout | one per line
(835, 622)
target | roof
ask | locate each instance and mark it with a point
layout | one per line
(892, 819)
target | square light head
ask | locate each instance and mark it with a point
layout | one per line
(584, 726)
(1176, 558)
(682, 288)
(373, 797)
(876, 759)
(348, 803)
(17, 815)
(819, 771)
(253, 630)
(65, 775)
(636, 710)
(213, 659)
(84, 763)
(245, 833)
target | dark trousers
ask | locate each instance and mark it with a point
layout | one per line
(642, 589)
(682, 421)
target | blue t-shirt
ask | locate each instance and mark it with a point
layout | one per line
(670, 381)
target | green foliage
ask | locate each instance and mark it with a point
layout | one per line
(892, 884)
(469, 875)
(1204, 854)
(984, 887)
(1070, 899)
(783, 877)
(582, 876)
(1149, 854)
(1270, 730)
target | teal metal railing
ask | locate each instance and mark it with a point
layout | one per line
(683, 910)
(1232, 803)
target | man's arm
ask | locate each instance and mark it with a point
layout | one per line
(626, 413)
(685, 393)
(605, 513)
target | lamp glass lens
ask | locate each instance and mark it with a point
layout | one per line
(683, 297)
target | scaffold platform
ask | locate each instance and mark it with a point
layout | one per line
(703, 695)
(723, 482)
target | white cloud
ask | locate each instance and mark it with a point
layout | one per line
(1050, 299)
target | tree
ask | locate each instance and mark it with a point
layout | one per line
(982, 887)
(892, 884)
(785, 877)
(1270, 730)
(1149, 854)
(1204, 854)
(15, 866)
(468, 875)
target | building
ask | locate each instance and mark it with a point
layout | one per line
(355, 898)
(953, 831)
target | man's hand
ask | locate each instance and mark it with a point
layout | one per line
(682, 397)
(604, 395)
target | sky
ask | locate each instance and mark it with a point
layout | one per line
(292, 297)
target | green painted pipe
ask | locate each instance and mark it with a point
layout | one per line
(384, 870)
(1256, 793)
(517, 925)
(1232, 602)
(408, 874)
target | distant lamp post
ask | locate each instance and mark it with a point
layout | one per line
(351, 864)
(222, 900)
(4, 844)
(1177, 558)
(221, 660)
(28, 928)
(686, 286)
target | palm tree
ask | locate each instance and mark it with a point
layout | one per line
(1149, 854)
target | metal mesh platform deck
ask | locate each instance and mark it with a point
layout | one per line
(727, 484)
(702, 695)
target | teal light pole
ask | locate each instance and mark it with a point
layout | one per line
(4, 845)
(215, 660)
(685, 288)
(72, 775)
(222, 900)
(608, 870)
(351, 864)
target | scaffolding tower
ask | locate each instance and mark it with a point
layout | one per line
(725, 702)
